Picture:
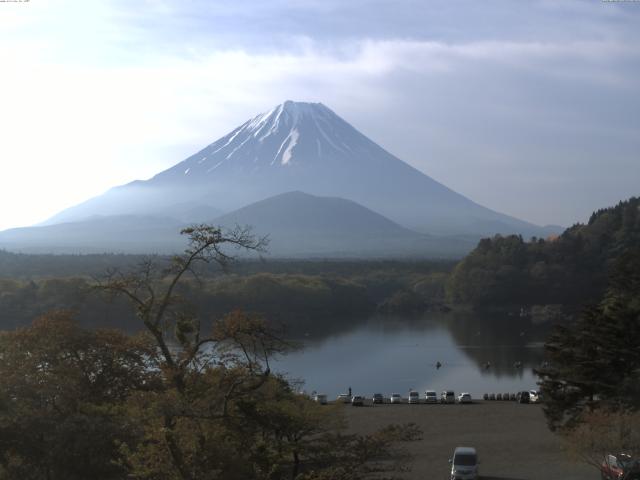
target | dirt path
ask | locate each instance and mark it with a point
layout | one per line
(512, 440)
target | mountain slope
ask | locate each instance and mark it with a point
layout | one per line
(298, 211)
(98, 234)
(303, 147)
(299, 224)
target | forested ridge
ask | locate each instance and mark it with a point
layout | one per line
(571, 269)
(300, 294)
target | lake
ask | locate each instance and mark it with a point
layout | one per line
(393, 354)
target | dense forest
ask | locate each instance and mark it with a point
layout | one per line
(298, 293)
(571, 269)
(594, 362)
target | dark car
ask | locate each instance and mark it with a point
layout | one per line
(522, 397)
(378, 398)
(620, 466)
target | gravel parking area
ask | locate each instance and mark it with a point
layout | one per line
(512, 440)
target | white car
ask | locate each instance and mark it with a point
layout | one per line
(344, 398)
(464, 398)
(396, 398)
(534, 396)
(414, 397)
(320, 398)
(430, 396)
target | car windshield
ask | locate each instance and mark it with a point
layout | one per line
(465, 459)
(431, 394)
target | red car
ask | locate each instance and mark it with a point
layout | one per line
(620, 467)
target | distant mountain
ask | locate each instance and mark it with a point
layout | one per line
(302, 147)
(299, 224)
(98, 234)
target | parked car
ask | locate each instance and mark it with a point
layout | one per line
(378, 398)
(505, 396)
(430, 396)
(522, 397)
(512, 397)
(464, 464)
(357, 401)
(448, 396)
(492, 396)
(396, 398)
(344, 398)
(464, 398)
(485, 396)
(620, 466)
(320, 398)
(533, 396)
(414, 397)
(499, 396)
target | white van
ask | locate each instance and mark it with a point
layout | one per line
(464, 464)
(430, 396)
(448, 396)
(414, 397)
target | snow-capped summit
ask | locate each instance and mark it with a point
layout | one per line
(293, 133)
(305, 147)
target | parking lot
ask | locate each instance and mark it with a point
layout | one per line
(512, 439)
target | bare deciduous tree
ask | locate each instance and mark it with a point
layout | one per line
(239, 345)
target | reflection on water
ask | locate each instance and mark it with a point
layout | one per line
(395, 354)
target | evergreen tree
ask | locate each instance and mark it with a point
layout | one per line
(595, 363)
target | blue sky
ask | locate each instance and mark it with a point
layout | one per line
(528, 107)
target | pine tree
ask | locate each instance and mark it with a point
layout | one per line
(595, 363)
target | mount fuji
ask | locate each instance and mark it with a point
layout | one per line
(298, 147)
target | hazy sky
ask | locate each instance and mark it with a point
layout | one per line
(531, 108)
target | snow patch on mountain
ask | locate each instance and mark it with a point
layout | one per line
(291, 140)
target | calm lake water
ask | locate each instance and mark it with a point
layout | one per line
(389, 354)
